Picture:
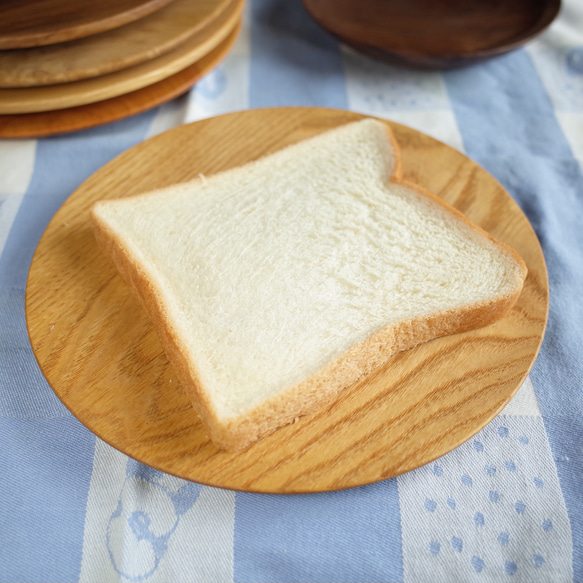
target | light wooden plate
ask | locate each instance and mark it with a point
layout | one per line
(109, 51)
(34, 23)
(49, 123)
(96, 347)
(53, 97)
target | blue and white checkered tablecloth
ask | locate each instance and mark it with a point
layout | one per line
(505, 506)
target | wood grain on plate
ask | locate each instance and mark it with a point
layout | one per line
(109, 51)
(98, 351)
(33, 23)
(53, 97)
(433, 33)
(49, 123)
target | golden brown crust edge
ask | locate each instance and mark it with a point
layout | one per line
(358, 361)
(323, 387)
(134, 275)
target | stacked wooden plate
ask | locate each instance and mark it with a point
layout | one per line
(66, 66)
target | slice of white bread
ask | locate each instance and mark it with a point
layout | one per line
(275, 285)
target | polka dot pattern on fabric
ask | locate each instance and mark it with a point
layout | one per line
(481, 507)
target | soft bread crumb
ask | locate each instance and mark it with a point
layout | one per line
(318, 260)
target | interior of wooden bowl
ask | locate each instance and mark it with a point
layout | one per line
(444, 32)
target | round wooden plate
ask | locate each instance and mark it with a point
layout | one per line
(97, 349)
(433, 33)
(53, 97)
(34, 23)
(49, 123)
(109, 51)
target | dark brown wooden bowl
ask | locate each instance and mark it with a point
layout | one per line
(433, 34)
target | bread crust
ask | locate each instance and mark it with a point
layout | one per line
(324, 386)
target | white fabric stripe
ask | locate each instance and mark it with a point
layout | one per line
(168, 116)
(16, 168)
(566, 30)
(572, 125)
(205, 542)
(109, 469)
(136, 531)
(524, 402)
(9, 205)
(16, 165)
(558, 57)
(416, 99)
(560, 68)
